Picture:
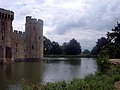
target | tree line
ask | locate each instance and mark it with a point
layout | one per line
(68, 48)
(109, 45)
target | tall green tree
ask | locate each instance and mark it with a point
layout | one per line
(111, 45)
(86, 52)
(72, 48)
(114, 41)
(55, 48)
(99, 45)
(47, 45)
(51, 48)
(114, 36)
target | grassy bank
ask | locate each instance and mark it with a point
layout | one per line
(99, 81)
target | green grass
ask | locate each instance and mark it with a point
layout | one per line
(99, 81)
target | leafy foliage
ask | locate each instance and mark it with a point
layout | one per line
(47, 45)
(53, 48)
(86, 52)
(114, 36)
(72, 48)
(111, 43)
(114, 41)
(99, 45)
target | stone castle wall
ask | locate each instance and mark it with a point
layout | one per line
(20, 45)
(6, 18)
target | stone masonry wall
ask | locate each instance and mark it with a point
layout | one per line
(34, 38)
(20, 45)
(6, 18)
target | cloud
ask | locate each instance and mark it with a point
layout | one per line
(85, 20)
(86, 38)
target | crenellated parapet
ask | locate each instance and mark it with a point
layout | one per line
(18, 32)
(19, 35)
(31, 20)
(6, 14)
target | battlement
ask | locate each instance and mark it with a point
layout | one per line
(31, 20)
(6, 14)
(18, 32)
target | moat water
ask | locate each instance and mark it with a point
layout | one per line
(49, 70)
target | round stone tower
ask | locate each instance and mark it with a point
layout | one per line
(34, 38)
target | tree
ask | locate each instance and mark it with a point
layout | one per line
(72, 48)
(114, 36)
(99, 45)
(55, 48)
(86, 52)
(47, 45)
(51, 47)
(109, 45)
(114, 41)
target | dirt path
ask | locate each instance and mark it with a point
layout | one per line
(115, 61)
(117, 85)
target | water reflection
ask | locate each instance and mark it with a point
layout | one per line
(33, 71)
(73, 61)
(5, 75)
(49, 70)
(68, 68)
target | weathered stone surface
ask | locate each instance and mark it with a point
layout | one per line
(20, 45)
(6, 18)
(34, 37)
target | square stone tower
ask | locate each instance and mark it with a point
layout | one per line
(34, 38)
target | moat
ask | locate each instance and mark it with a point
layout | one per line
(49, 70)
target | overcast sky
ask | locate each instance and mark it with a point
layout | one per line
(84, 20)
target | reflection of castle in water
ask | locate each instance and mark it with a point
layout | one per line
(16, 45)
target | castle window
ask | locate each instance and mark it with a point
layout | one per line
(5, 16)
(16, 45)
(0, 14)
(32, 47)
(39, 37)
(2, 38)
(3, 24)
(34, 28)
(16, 50)
(11, 16)
(8, 16)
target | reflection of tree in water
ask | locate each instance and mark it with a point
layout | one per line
(5, 75)
(51, 61)
(33, 71)
(73, 61)
(54, 60)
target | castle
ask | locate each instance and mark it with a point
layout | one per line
(18, 45)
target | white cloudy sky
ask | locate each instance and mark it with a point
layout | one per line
(85, 20)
